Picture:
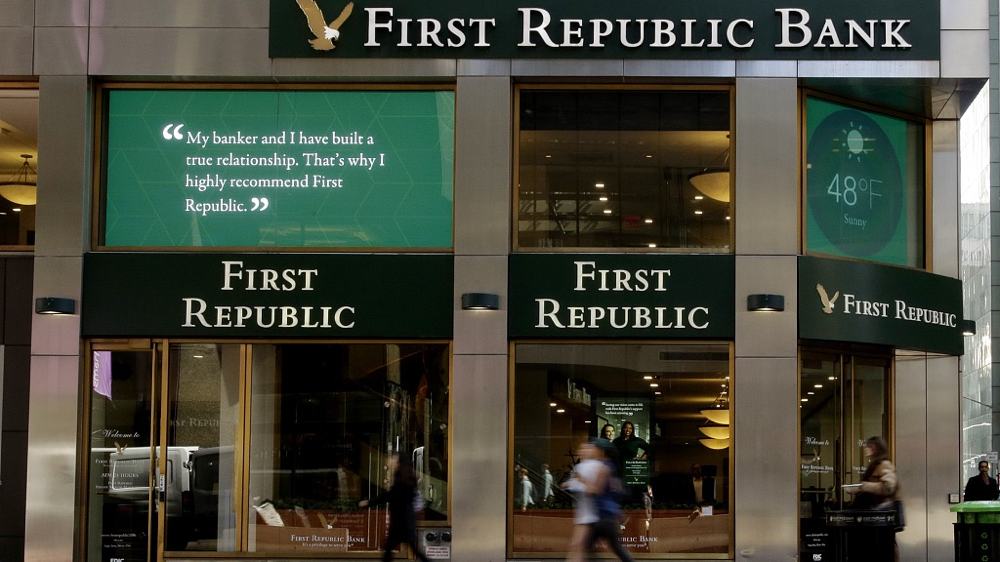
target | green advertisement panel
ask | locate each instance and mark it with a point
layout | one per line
(637, 29)
(621, 296)
(267, 295)
(847, 301)
(279, 169)
(864, 192)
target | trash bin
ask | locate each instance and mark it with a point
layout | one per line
(863, 535)
(977, 531)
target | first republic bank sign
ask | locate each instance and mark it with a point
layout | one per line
(627, 29)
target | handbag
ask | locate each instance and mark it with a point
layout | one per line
(900, 519)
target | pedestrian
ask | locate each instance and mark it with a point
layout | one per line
(400, 497)
(879, 484)
(981, 487)
(585, 513)
(607, 489)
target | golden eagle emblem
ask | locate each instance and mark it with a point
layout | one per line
(325, 34)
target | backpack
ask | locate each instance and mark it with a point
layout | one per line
(609, 502)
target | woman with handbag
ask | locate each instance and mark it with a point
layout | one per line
(880, 484)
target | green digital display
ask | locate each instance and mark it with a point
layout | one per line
(279, 169)
(863, 185)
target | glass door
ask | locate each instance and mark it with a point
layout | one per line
(122, 423)
(843, 400)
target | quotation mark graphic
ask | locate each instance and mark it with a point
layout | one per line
(261, 202)
(175, 134)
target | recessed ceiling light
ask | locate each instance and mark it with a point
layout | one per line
(649, 156)
(727, 217)
(598, 185)
(698, 212)
(548, 156)
(553, 404)
(603, 198)
(810, 393)
(560, 411)
(16, 209)
(649, 221)
(817, 386)
(654, 385)
(647, 377)
(805, 400)
(586, 421)
(607, 211)
(198, 356)
(652, 245)
(699, 197)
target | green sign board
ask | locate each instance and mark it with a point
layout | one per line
(621, 296)
(858, 196)
(849, 301)
(267, 295)
(638, 29)
(279, 169)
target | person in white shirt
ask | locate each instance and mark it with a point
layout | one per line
(586, 511)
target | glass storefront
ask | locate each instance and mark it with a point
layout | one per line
(269, 447)
(664, 407)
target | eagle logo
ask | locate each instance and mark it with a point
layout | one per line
(325, 34)
(828, 303)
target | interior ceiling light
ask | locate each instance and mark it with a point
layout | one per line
(714, 180)
(715, 431)
(21, 188)
(715, 444)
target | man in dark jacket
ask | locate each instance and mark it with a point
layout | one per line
(981, 487)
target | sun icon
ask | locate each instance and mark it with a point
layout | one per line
(855, 143)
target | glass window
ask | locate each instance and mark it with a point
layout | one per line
(864, 184)
(623, 169)
(18, 167)
(666, 410)
(325, 420)
(844, 401)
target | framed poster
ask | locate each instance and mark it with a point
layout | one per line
(278, 169)
(864, 175)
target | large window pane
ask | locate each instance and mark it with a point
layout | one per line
(623, 169)
(203, 404)
(565, 394)
(119, 495)
(864, 184)
(324, 420)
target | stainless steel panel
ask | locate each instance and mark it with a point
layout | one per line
(965, 14)
(181, 13)
(50, 520)
(965, 54)
(73, 13)
(483, 135)
(61, 51)
(766, 334)
(478, 67)
(667, 68)
(766, 68)
(766, 458)
(17, 13)
(912, 449)
(946, 194)
(943, 448)
(57, 334)
(347, 70)
(179, 52)
(766, 209)
(479, 458)
(64, 135)
(557, 68)
(481, 331)
(16, 50)
(869, 69)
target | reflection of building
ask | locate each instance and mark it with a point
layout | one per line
(572, 183)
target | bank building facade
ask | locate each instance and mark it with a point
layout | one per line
(253, 249)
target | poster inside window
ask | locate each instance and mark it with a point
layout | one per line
(865, 192)
(662, 411)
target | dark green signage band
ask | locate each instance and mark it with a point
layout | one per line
(638, 29)
(849, 301)
(279, 169)
(617, 296)
(268, 295)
